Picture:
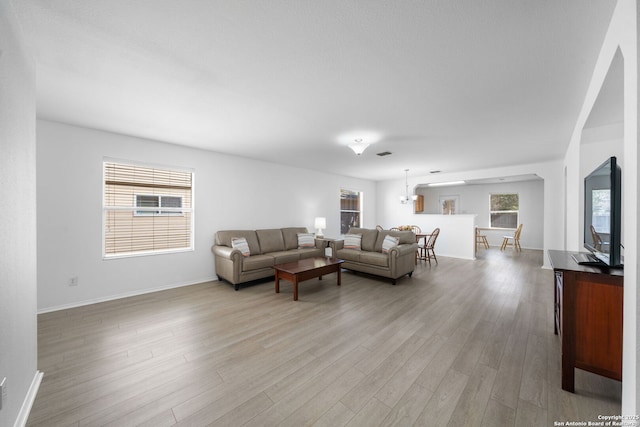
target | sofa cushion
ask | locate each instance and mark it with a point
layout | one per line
(270, 240)
(375, 258)
(290, 236)
(403, 236)
(353, 241)
(224, 237)
(284, 256)
(389, 242)
(349, 254)
(306, 240)
(368, 237)
(310, 253)
(240, 243)
(256, 262)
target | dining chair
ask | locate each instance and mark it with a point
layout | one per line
(416, 230)
(597, 240)
(481, 238)
(506, 241)
(429, 246)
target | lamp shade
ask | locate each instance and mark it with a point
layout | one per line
(320, 222)
(358, 146)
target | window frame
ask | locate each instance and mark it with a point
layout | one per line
(506, 211)
(183, 211)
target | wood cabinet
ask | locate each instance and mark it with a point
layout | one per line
(419, 204)
(588, 303)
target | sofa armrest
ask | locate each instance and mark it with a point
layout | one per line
(228, 263)
(226, 252)
(336, 245)
(321, 243)
(401, 250)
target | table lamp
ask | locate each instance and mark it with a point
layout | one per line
(319, 224)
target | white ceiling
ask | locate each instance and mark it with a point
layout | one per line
(446, 85)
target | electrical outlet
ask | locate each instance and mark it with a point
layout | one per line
(73, 281)
(3, 392)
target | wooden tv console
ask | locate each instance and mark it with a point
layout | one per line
(588, 305)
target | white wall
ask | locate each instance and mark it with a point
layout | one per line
(230, 193)
(592, 155)
(391, 212)
(457, 234)
(18, 346)
(623, 35)
(475, 199)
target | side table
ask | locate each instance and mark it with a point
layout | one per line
(327, 245)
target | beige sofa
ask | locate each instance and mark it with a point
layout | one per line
(267, 248)
(400, 260)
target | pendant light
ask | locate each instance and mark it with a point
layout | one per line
(406, 199)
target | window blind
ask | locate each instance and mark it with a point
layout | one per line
(132, 228)
(350, 208)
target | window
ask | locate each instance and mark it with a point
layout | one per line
(601, 214)
(146, 210)
(504, 210)
(159, 201)
(350, 210)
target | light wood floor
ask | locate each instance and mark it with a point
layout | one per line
(459, 343)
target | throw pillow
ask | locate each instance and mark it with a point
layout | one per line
(240, 243)
(388, 243)
(306, 240)
(352, 241)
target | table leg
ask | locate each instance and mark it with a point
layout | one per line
(295, 288)
(568, 373)
(277, 283)
(339, 275)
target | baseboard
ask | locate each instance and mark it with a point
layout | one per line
(25, 410)
(124, 295)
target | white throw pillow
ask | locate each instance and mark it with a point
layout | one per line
(240, 243)
(352, 241)
(388, 243)
(306, 240)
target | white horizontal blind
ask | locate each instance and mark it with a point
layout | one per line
(128, 230)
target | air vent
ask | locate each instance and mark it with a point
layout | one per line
(384, 153)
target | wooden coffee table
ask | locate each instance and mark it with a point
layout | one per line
(306, 269)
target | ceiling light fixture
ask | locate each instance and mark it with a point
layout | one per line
(406, 199)
(442, 184)
(358, 146)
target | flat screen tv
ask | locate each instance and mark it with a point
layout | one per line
(602, 213)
